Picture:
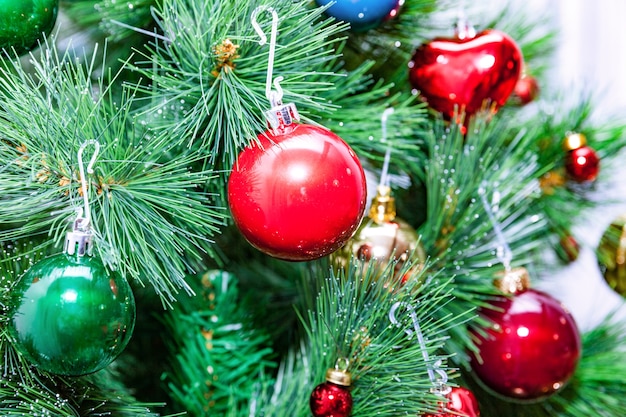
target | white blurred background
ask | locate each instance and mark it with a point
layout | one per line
(591, 56)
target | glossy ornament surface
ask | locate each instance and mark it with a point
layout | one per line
(382, 237)
(362, 14)
(526, 89)
(460, 402)
(532, 350)
(330, 400)
(582, 164)
(466, 71)
(612, 255)
(72, 316)
(24, 22)
(298, 194)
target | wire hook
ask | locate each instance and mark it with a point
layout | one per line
(275, 97)
(384, 180)
(83, 179)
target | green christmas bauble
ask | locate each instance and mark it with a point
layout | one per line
(71, 315)
(22, 22)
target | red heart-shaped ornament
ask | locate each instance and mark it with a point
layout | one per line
(466, 72)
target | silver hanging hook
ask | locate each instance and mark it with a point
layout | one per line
(440, 380)
(384, 180)
(83, 178)
(275, 97)
(503, 251)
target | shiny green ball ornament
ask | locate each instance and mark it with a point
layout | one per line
(23, 22)
(72, 315)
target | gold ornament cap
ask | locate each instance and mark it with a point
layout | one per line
(383, 208)
(339, 374)
(513, 281)
(574, 141)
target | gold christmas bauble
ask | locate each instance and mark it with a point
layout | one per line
(382, 237)
(611, 255)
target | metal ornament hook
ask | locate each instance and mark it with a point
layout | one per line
(384, 176)
(78, 241)
(83, 177)
(275, 97)
(439, 380)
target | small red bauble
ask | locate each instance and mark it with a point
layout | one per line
(298, 194)
(461, 402)
(533, 349)
(466, 71)
(526, 89)
(331, 400)
(582, 164)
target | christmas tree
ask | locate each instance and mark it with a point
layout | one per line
(295, 208)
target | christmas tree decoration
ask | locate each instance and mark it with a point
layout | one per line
(362, 14)
(72, 316)
(611, 255)
(382, 236)
(458, 402)
(455, 401)
(532, 348)
(466, 73)
(526, 89)
(333, 398)
(298, 192)
(24, 22)
(582, 164)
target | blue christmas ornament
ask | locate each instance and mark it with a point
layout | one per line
(362, 14)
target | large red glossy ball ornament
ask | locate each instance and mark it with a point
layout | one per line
(460, 402)
(582, 164)
(466, 71)
(532, 350)
(331, 400)
(297, 194)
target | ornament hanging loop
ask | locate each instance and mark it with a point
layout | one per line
(274, 96)
(79, 240)
(384, 176)
(438, 376)
(83, 178)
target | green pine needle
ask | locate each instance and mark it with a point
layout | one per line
(210, 82)
(217, 356)
(148, 205)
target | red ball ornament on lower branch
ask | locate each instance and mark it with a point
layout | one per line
(332, 398)
(459, 402)
(299, 193)
(533, 348)
(581, 162)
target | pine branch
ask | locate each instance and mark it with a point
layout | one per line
(114, 18)
(217, 356)
(210, 78)
(351, 319)
(148, 206)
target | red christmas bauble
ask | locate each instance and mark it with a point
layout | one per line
(331, 400)
(526, 89)
(466, 72)
(582, 164)
(532, 350)
(298, 194)
(460, 402)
